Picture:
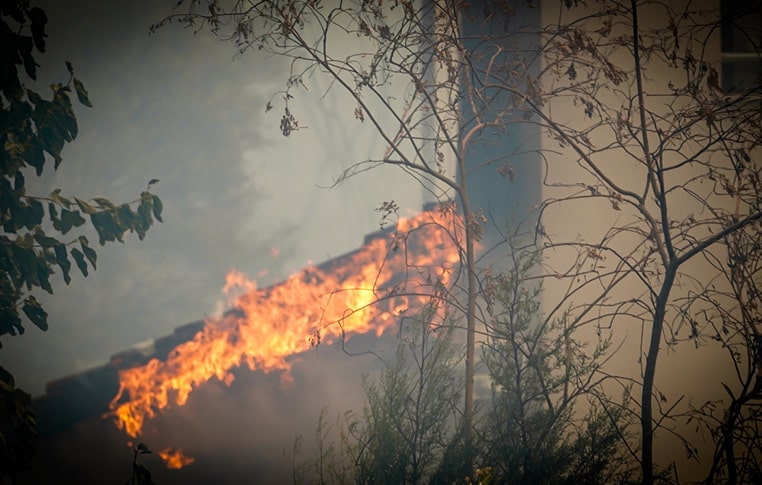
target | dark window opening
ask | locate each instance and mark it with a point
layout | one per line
(741, 44)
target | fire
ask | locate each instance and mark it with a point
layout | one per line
(356, 293)
(175, 459)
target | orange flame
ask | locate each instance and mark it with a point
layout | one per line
(356, 293)
(175, 459)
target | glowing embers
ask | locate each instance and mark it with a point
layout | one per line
(175, 459)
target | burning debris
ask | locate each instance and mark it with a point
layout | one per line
(175, 459)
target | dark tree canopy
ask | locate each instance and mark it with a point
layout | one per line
(39, 234)
(38, 230)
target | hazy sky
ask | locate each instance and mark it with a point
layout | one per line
(179, 108)
(237, 194)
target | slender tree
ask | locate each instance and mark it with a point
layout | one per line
(398, 42)
(686, 174)
(640, 126)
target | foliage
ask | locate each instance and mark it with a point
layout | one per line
(17, 427)
(333, 460)
(32, 130)
(410, 414)
(408, 429)
(730, 313)
(540, 374)
(37, 237)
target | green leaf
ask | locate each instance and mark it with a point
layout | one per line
(82, 93)
(34, 155)
(79, 258)
(35, 312)
(152, 181)
(69, 68)
(63, 113)
(8, 226)
(53, 212)
(90, 253)
(39, 19)
(35, 98)
(46, 241)
(85, 207)
(10, 322)
(25, 45)
(32, 214)
(24, 265)
(18, 184)
(124, 218)
(157, 207)
(6, 192)
(62, 258)
(53, 128)
(103, 203)
(106, 226)
(144, 211)
(68, 220)
(70, 122)
(43, 273)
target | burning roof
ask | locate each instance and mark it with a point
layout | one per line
(364, 291)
